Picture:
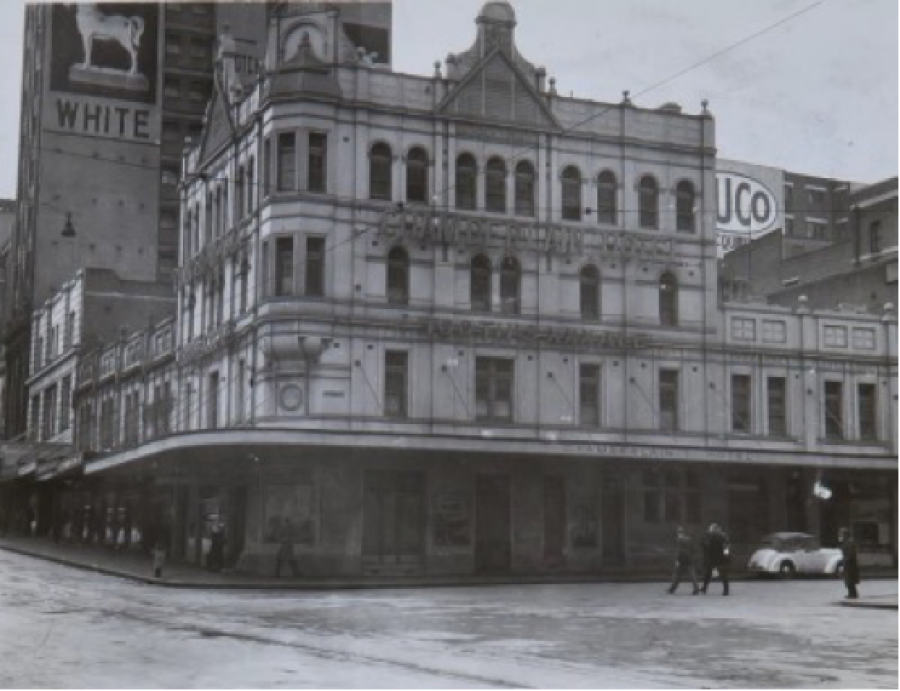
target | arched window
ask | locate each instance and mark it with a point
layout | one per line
(589, 287)
(380, 160)
(466, 182)
(495, 189)
(684, 207)
(571, 194)
(510, 280)
(524, 189)
(648, 203)
(398, 277)
(480, 280)
(606, 197)
(417, 175)
(668, 300)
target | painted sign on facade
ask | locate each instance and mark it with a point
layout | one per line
(749, 202)
(104, 71)
(475, 232)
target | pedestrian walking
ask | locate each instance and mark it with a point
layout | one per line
(215, 560)
(684, 561)
(851, 562)
(286, 550)
(159, 559)
(716, 557)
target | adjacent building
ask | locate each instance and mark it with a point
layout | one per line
(854, 270)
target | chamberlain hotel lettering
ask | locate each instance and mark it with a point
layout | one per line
(530, 335)
(104, 70)
(473, 232)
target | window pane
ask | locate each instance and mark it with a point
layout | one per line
(509, 286)
(777, 409)
(315, 267)
(590, 293)
(395, 384)
(868, 428)
(684, 212)
(481, 284)
(466, 185)
(318, 156)
(740, 403)
(287, 162)
(834, 403)
(648, 203)
(571, 194)
(417, 176)
(284, 266)
(380, 161)
(496, 186)
(589, 395)
(606, 198)
(524, 189)
(398, 277)
(668, 300)
(668, 400)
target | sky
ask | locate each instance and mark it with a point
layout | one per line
(816, 94)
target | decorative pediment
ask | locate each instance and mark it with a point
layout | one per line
(496, 90)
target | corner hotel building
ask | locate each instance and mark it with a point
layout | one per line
(461, 324)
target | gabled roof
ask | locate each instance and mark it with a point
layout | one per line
(495, 89)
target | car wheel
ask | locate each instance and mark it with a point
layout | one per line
(787, 570)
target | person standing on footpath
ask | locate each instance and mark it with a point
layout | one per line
(286, 550)
(684, 561)
(159, 559)
(715, 557)
(851, 562)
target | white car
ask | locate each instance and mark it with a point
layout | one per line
(786, 554)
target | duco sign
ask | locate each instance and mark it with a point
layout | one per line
(744, 205)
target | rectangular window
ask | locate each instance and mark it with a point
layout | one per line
(49, 413)
(836, 336)
(834, 410)
(743, 329)
(868, 412)
(789, 197)
(816, 200)
(239, 391)
(816, 230)
(318, 157)
(875, 237)
(212, 401)
(668, 400)
(776, 395)
(589, 395)
(287, 162)
(789, 227)
(284, 266)
(740, 403)
(395, 384)
(267, 166)
(494, 389)
(864, 339)
(65, 403)
(774, 331)
(315, 267)
(34, 431)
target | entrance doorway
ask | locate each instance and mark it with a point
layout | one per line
(554, 520)
(612, 522)
(493, 545)
(394, 522)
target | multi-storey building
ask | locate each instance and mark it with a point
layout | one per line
(459, 323)
(857, 270)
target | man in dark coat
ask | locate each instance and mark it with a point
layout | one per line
(851, 562)
(715, 557)
(684, 560)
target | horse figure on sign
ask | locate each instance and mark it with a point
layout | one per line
(93, 25)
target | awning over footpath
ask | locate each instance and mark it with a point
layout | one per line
(21, 459)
